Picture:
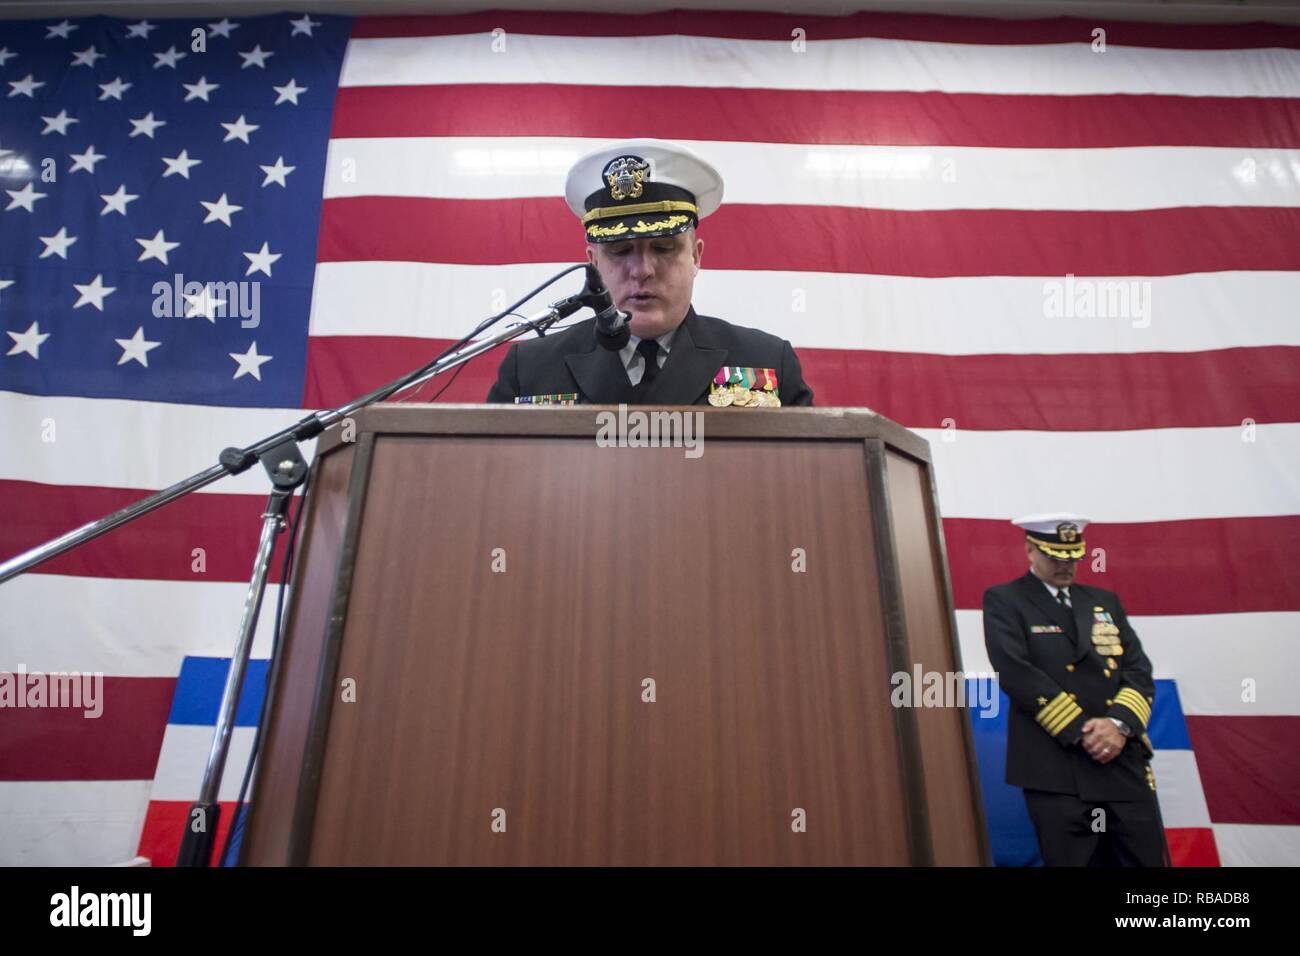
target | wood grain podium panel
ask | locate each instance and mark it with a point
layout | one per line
(772, 687)
(519, 696)
(955, 814)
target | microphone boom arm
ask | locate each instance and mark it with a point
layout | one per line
(236, 460)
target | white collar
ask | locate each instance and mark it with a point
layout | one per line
(1051, 588)
(628, 352)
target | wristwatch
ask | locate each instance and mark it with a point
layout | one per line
(1123, 727)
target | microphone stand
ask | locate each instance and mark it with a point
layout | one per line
(285, 466)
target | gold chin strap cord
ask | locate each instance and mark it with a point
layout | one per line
(640, 209)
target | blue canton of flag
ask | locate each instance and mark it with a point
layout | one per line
(160, 197)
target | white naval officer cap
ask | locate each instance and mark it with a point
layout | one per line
(641, 188)
(1058, 535)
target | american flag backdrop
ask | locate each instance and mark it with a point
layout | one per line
(1067, 258)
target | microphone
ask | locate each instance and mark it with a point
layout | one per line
(612, 328)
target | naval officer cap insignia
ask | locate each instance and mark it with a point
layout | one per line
(641, 188)
(1058, 536)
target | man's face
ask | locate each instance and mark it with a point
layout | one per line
(650, 279)
(1059, 574)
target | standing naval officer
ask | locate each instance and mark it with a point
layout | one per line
(1082, 692)
(639, 202)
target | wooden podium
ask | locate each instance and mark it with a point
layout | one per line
(508, 644)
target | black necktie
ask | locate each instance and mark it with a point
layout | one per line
(1063, 597)
(649, 351)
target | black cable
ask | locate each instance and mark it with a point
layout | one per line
(406, 380)
(415, 395)
(492, 320)
(451, 381)
(286, 570)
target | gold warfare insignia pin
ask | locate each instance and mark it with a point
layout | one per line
(626, 177)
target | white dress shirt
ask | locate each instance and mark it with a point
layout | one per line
(1054, 590)
(634, 361)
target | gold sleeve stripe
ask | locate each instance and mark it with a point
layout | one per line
(1134, 702)
(1125, 697)
(1063, 721)
(1145, 712)
(1059, 719)
(1059, 714)
(1053, 707)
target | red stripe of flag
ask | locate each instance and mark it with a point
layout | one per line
(57, 743)
(340, 367)
(1192, 846)
(814, 117)
(1089, 392)
(926, 28)
(1248, 765)
(963, 242)
(160, 546)
(1195, 566)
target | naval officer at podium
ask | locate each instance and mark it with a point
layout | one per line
(639, 202)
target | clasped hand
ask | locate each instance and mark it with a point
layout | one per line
(1102, 739)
